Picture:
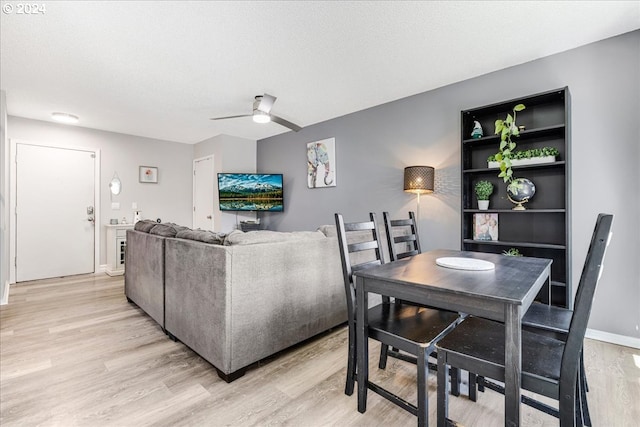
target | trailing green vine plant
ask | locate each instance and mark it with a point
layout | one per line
(507, 129)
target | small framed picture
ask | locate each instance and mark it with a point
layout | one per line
(485, 226)
(148, 174)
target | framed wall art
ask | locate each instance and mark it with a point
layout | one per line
(148, 174)
(321, 163)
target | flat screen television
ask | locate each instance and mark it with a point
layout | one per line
(250, 192)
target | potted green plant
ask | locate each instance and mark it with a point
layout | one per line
(512, 252)
(484, 189)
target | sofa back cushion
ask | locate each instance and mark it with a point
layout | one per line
(363, 236)
(201, 236)
(237, 237)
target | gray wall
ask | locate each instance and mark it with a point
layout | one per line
(230, 154)
(170, 199)
(373, 147)
(4, 200)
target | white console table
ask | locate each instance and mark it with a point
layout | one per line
(116, 247)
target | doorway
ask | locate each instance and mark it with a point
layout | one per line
(55, 211)
(203, 193)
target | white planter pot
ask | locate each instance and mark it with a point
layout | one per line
(524, 162)
(483, 205)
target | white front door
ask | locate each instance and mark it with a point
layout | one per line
(55, 212)
(203, 188)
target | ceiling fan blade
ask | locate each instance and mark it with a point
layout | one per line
(266, 103)
(230, 117)
(285, 123)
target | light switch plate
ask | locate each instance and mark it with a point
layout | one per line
(134, 206)
(115, 206)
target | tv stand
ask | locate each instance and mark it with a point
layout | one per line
(250, 226)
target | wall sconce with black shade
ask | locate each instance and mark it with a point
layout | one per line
(419, 180)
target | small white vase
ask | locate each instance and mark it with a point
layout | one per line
(483, 205)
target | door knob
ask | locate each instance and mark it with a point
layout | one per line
(208, 216)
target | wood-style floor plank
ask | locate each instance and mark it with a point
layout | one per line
(74, 352)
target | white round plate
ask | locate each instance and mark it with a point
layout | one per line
(465, 263)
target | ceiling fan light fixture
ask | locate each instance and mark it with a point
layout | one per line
(65, 118)
(261, 117)
(262, 113)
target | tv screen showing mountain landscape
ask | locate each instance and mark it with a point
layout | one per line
(250, 192)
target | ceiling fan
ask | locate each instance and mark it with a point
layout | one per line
(261, 113)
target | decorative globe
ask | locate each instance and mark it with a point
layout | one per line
(519, 191)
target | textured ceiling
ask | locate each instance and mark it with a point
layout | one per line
(160, 69)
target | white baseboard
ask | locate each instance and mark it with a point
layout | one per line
(613, 338)
(5, 296)
(102, 269)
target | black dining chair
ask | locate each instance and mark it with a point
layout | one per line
(555, 321)
(412, 329)
(403, 241)
(550, 367)
(407, 236)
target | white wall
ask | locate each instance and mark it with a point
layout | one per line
(230, 154)
(170, 199)
(4, 201)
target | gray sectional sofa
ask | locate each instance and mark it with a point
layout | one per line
(144, 273)
(241, 299)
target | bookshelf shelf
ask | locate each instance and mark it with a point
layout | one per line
(543, 229)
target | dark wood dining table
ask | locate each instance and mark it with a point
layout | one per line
(503, 294)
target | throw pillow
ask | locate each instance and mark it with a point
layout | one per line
(145, 225)
(164, 230)
(178, 227)
(328, 230)
(201, 236)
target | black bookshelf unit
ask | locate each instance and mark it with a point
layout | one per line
(544, 228)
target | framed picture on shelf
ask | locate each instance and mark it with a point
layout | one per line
(148, 174)
(485, 226)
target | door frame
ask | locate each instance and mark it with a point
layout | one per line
(12, 200)
(193, 189)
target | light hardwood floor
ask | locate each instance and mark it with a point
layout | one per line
(74, 352)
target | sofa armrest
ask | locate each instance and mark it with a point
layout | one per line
(144, 273)
(197, 301)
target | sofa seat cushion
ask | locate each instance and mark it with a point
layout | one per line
(237, 237)
(201, 236)
(145, 225)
